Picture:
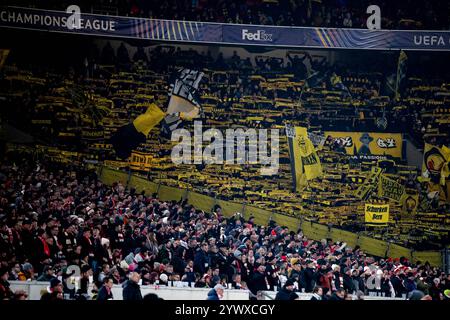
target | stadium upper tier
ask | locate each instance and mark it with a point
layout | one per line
(77, 110)
(425, 15)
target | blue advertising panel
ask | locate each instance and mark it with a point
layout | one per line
(190, 31)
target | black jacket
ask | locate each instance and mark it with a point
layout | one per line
(308, 279)
(337, 280)
(348, 283)
(5, 292)
(285, 294)
(398, 286)
(258, 282)
(47, 296)
(334, 297)
(316, 297)
(104, 295)
(131, 291)
(435, 292)
(201, 262)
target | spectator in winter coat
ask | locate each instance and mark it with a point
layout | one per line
(410, 284)
(435, 290)
(55, 291)
(358, 282)
(349, 286)
(131, 289)
(317, 293)
(178, 261)
(258, 282)
(105, 292)
(397, 283)
(201, 260)
(189, 275)
(339, 295)
(287, 292)
(47, 274)
(308, 276)
(41, 251)
(5, 291)
(337, 278)
(216, 293)
(86, 272)
(386, 285)
(325, 278)
(295, 271)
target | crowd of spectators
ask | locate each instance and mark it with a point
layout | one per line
(53, 217)
(407, 14)
(272, 87)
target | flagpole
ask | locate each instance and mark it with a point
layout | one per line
(396, 80)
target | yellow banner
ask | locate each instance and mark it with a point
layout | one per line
(3, 55)
(377, 215)
(435, 166)
(434, 159)
(367, 144)
(364, 190)
(389, 188)
(146, 121)
(304, 159)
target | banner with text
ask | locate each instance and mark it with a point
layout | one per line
(368, 145)
(389, 188)
(191, 31)
(377, 215)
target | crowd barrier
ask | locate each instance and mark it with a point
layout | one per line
(312, 230)
(270, 295)
(35, 289)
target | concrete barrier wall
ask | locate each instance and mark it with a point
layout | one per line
(270, 295)
(35, 288)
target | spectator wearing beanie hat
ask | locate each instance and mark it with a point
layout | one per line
(287, 292)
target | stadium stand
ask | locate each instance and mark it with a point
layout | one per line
(54, 216)
(259, 94)
(67, 197)
(403, 15)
